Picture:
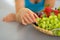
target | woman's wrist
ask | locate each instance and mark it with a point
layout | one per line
(19, 4)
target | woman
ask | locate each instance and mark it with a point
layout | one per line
(27, 10)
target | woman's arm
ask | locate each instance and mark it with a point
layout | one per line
(12, 17)
(50, 2)
(19, 4)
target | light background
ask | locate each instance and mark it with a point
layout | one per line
(16, 31)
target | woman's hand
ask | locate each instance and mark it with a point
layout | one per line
(26, 16)
(10, 18)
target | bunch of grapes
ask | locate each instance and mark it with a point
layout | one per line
(50, 20)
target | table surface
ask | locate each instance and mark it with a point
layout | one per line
(16, 31)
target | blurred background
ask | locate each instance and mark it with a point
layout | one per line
(16, 31)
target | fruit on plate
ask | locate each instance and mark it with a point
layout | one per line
(48, 10)
(56, 32)
(50, 20)
(59, 9)
(58, 16)
(56, 11)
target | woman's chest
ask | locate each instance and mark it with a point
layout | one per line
(34, 6)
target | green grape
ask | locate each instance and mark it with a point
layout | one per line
(50, 17)
(43, 22)
(50, 23)
(58, 25)
(40, 25)
(44, 15)
(43, 19)
(59, 16)
(52, 27)
(52, 14)
(56, 32)
(56, 19)
(47, 22)
(59, 8)
(49, 27)
(55, 16)
(38, 19)
(43, 25)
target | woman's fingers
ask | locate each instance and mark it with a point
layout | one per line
(9, 18)
(26, 20)
(30, 12)
(23, 22)
(29, 18)
(31, 15)
(35, 16)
